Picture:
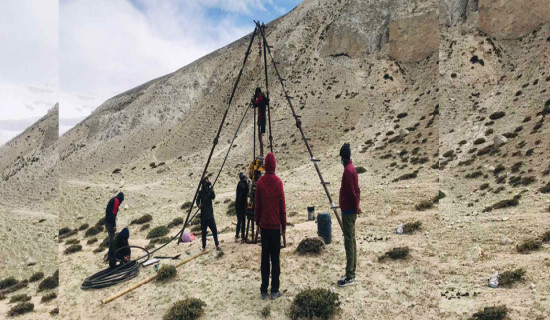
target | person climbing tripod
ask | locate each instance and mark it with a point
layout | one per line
(260, 101)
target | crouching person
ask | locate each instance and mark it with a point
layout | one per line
(121, 249)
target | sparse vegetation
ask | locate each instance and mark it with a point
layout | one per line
(50, 282)
(491, 313)
(508, 278)
(497, 115)
(36, 276)
(411, 227)
(231, 209)
(546, 236)
(176, 222)
(72, 241)
(143, 219)
(545, 188)
(159, 240)
(8, 282)
(93, 231)
(320, 303)
(310, 246)
(266, 311)
(64, 230)
(91, 241)
(503, 204)
(188, 309)
(20, 298)
(361, 170)
(73, 248)
(54, 311)
(407, 176)
(166, 272)
(48, 297)
(186, 205)
(424, 205)
(21, 308)
(144, 227)
(158, 232)
(395, 254)
(528, 246)
(83, 227)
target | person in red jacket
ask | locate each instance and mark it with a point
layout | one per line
(270, 216)
(349, 204)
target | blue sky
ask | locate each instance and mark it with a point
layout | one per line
(103, 53)
(80, 53)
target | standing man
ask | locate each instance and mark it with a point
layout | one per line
(270, 216)
(260, 101)
(204, 202)
(349, 204)
(110, 224)
(240, 205)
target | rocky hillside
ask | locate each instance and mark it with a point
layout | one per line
(494, 149)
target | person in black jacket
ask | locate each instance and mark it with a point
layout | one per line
(240, 205)
(121, 242)
(260, 101)
(204, 202)
(110, 224)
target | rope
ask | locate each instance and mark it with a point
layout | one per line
(111, 276)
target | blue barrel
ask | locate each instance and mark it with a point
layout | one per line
(324, 227)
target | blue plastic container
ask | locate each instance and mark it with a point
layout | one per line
(324, 227)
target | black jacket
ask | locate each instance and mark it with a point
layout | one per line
(242, 193)
(260, 101)
(112, 209)
(121, 243)
(205, 198)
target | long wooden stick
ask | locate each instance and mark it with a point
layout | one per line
(151, 278)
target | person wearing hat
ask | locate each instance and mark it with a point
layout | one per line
(110, 222)
(240, 205)
(204, 202)
(121, 249)
(349, 204)
(260, 101)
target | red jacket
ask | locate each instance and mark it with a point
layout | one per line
(270, 207)
(350, 195)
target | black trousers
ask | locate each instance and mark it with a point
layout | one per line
(271, 249)
(210, 223)
(111, 255)
(241, 219)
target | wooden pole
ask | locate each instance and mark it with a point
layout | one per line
(147, 280)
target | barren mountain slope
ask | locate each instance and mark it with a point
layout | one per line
(355, 77)
(28, 208)
(494, 161)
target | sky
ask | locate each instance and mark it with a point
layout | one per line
(80, 53)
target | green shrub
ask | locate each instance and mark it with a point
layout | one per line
(15, 287)
(545, 188)
(310, 246)
(508, 278)
(361, 170)
(68, 234)
(503, 204)
(21, 308)
(166, 272)
(144, 227)
(48, 297)
(143, 219)
(91, 241)
(105, 243)
(160, 240)
(73, 248)
(396, 254)
(84, 227)
(100, 222)
(309, 303)
(72, 241)
(196, 228)
(546, 236)
(188, 309)
(424, 205)
(266, 311)
(186, 205)
(37, 276)
(93, 231)
(491, 313)
(407, 176)
(64, 230)
(529, 245)
(411, 227)
(175, 222)
(49, 283)
(8, 282)
(232, 209)
(54, 311)
(20, 298)
(158, 232)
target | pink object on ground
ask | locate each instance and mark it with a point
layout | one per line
(187, 237)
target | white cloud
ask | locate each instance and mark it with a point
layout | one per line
(108, 47)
